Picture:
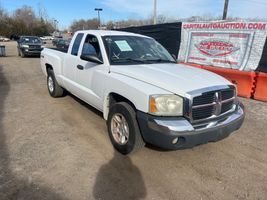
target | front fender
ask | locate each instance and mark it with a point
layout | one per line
(137, 92)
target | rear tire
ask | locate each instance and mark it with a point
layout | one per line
(54, 89)
(133, 141)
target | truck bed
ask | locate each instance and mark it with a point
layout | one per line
(59, 49)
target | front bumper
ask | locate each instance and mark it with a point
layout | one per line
(179, 133)
(28, 51)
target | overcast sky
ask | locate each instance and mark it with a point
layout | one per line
(67, 11)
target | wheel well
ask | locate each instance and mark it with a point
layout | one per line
(115, 98)
(111, 99)
(48, 66)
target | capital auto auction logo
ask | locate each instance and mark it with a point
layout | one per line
(216, 48)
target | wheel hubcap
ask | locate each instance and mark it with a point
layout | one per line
(50, 84)
(119, 129)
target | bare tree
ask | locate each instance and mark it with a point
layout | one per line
(110, 25)
(161, 19)
(42, 12)
(23, 22)
(84, 24)
(3, 21)
(3, 13)
(26, 15)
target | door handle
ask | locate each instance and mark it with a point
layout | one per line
(80, 67)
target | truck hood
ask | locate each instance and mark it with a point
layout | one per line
(176, 78)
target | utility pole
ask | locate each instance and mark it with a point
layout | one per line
(98, 12)
(155, 12)
(56, 23)
(225, 9)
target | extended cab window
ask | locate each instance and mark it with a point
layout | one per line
(76, 44)
(91, 47)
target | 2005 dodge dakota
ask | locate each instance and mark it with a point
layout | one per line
(145, 96)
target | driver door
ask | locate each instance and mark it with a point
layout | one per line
(87, 73)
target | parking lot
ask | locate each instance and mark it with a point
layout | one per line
(59, 149)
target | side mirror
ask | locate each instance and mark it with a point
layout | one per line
(91, 58)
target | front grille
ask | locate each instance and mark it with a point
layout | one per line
(227, 106)
(227, 94)
(204, 99)
(35, 46)
(212, 104)
(203, 112)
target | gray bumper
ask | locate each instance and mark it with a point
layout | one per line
(31, 51)
(179, 133)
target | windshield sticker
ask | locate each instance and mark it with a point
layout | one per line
(123, 45)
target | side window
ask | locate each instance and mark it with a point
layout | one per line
(91, 47)
(76, 44)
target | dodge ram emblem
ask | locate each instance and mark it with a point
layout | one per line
(214, 48)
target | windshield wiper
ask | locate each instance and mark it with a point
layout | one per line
(128, 59)
(161, 60)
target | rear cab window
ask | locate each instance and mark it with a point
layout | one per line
(76, 44)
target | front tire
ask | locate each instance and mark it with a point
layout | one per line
(54, 89)
(22, 54)
(123, 128)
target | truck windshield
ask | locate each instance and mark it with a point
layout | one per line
(31, 40)
(125, 50)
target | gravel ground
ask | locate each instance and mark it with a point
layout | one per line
(59, 149)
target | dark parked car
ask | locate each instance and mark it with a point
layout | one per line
(56, 39)
(29, 46)
(63, 44)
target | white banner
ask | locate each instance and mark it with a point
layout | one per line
(236, 45)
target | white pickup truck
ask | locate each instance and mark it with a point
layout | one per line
(145, 96)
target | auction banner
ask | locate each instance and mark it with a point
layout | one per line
(235, 45)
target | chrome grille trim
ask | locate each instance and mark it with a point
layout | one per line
(213, 117)
(219, 103)
(204, 105)
(218, 100)
(227, 100)
(204, 123)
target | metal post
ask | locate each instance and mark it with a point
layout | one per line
(155, 12)
(98, 13)
(225, 9)
(56, 23)
(99, 22)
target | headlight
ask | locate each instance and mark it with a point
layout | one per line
(166, 105)
(25, 46)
